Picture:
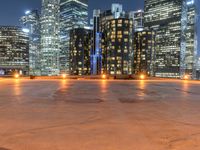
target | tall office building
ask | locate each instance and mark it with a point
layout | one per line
(174, 24)
(100, 20)
(50, 41)
(117, 47)
(80, 49)
(197, 64)
(144, 52)
(73, 14)
(188, 38)
(113, 42)
(14, 51)
(31, 24)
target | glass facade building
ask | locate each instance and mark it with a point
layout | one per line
(174, 24)
(188, 38)
(50, 41)
(73, 14)
(14, 51)
(31, 24)
(197, 63)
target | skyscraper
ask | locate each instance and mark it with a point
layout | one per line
(144, 50)
(174, 24)
(73, 14)
(14, 50)
(113, 42)
(30, 23)
(100, 20)
(117, 46)
(50, 41)
(188, 38)
(197, 63)
(80, 48)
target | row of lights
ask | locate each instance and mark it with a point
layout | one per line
(17, 76)
(141, 77)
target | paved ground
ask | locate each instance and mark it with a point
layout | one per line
(99, 115)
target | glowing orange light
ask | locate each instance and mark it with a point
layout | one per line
(142, 77)
(16, 76)
(186, 77)
(64, 76)
(104, 76)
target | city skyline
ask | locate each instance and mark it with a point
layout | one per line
(16, 10)
(111, 52)
(99, 74)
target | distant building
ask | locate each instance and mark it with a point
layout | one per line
(96, 52)
(50, 41)
(100, 19)
(14, 51)
(80, 49)
(188, 53)
(113, 42)
(115, 12)
(174, 24)
(31, 24)
(144, 52)
(117, 47)
(197, 59)
(73, 14)
(138, 20)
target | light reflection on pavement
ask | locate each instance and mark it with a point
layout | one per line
(99, 115)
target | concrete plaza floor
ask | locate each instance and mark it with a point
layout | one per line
(99, 115)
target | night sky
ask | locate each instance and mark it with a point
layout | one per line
(11, 10)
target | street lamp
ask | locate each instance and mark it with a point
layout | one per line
(64, 76)
(104, 76)
(16, 76)
(186, 77)
(142, 77)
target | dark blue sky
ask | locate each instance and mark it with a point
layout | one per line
(11, 10)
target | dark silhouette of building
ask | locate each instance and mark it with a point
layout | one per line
(80, 49)
(144, 52)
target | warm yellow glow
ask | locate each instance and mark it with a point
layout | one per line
(104, 87)
(186, 77)
(16, 75)
(17, 89)
(142, 77)
(104, 76)
(64, 76)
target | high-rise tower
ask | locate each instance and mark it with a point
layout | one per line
(112, 51)
(31, 24)
(197, 62)
(73, 14)
(50, 42)
(14, 51)
(174, 24)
